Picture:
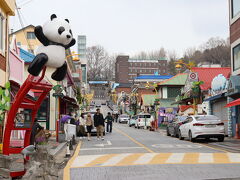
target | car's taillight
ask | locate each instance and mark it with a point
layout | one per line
(180, 124)
(198, 124)
(220, 124)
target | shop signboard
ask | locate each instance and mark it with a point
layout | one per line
(219, 85)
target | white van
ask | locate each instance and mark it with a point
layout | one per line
(143, 119)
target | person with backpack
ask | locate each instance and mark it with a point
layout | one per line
(109, 120)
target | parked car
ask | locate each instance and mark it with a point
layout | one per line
(173, 127)
(132, 121)
(123, 118)
(98, 105)
(143, 119)
(202, 126)
(94, 129)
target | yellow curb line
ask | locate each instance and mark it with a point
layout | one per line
(140, 144)
(66, 172)
(215, 148)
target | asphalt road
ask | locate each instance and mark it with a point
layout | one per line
(129, 153)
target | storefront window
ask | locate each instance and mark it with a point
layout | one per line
(236, 57)
(235, 8)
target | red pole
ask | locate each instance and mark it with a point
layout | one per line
(237, 131)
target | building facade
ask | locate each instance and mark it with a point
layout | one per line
(82, 46)
(7, 8)
(26, 39)
(127, 69)
(233, 89)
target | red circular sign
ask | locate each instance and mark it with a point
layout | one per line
(193, 75)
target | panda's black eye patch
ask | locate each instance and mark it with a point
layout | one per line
(61, 30)
(70, 31)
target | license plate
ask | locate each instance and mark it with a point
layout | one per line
(210, 125)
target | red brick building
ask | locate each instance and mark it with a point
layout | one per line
(127, 69)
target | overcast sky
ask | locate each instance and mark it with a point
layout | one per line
(130, 26)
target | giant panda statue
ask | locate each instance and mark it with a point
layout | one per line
(56, 36)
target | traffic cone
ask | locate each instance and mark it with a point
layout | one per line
(71, 145)
(68, 154)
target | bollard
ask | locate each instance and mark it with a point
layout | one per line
(70, 145)
(68, 154)
(73, 140)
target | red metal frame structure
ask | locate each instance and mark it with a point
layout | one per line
(22, 101)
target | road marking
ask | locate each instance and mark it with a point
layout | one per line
(221, 158)
(206, 158)
(83, 160)
(102, 145)
(215, 148)
(144, 159)
(113, 148)
(160, 158)
(115, 160)
(126, 159)
(129, 159)
(140, 144)
(66, 171)
(99, 161)
(175, 158)
(179, 146)
(234, 157)
(191, 158)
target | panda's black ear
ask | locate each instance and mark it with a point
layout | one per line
(53, 16)
(67, 20)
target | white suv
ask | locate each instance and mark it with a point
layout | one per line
(143, 120)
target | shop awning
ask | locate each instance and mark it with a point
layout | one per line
(215, 97)
(233, 103)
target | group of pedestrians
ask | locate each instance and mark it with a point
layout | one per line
(98, 121)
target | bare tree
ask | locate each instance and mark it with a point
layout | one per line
(101, 66)
(96, 57)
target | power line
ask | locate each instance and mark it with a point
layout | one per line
(22, 25)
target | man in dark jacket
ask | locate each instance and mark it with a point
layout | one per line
(99, 123)
(109, 120)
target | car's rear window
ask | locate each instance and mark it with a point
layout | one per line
(144, 116)
(182, 118)
(203, 118)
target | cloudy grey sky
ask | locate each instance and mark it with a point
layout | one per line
(130, 26)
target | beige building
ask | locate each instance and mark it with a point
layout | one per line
(26, 38)
(7, 8)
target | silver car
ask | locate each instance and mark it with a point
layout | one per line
(123, 118)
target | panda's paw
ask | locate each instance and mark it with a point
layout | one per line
(60, 73)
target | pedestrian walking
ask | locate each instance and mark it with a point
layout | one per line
(109, 120)
(35, 128)
(82, 122)
(89, 124)
(116, 117)
(99, 123)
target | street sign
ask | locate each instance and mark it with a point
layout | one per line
(58, 94)
(193, 76)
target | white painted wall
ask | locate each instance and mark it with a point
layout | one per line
(164, 93)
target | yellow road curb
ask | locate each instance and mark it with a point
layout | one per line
(66, 172)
